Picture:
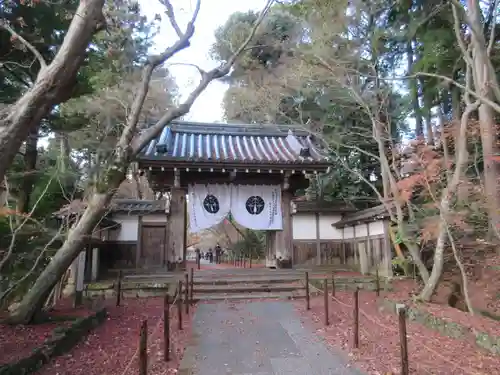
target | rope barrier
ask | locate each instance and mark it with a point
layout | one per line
(150, 337)
(455, 365)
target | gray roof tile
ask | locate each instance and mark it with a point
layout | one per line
(235, 143)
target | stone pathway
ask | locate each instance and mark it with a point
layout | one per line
(256, 338)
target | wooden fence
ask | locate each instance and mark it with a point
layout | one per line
(342, 252)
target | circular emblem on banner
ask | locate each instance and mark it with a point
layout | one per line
(211, 204)
(255, 205)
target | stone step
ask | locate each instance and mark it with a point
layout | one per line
(245, 280)
(247, 288)
(219, 297)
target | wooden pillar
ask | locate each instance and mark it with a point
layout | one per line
(344, 255)
(386, 251)
(270, 249)
(283, 239)
(318, 240)
(355, 245)
(184, 241)
(138, 247)
(95, 264)
(363, 256)
(80, 275)
(176, 227)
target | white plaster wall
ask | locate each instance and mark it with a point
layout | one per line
(154, 218)
(304, 226)
(376, 228)
(361, 230)
(326, 230)
(348, 232)
(129, 227)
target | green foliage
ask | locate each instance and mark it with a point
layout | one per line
(251, 245)
(277, 31)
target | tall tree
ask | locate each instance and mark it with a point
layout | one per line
(130, 142)
(54, 82)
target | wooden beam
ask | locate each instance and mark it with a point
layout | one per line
(138, 248)
(387, 248)
(318, 240)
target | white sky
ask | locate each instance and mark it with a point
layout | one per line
(213, 13)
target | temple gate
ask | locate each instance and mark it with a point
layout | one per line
(243, 159)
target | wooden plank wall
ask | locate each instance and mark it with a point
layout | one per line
(341, 251)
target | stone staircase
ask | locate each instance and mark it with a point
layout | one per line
(241, 284)
(234, 283)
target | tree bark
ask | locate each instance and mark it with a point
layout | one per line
(30, 159)
(35, 298)
(127, 149)
(484, 81)
(53, 84)
(419, 128)
(444, 204)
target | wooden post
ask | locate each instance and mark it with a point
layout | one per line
(333, 284)
(186, 292)
(403, 339)
(191, 286)
(166, 328)
(143, 349)
(308, 304)
(79, 278)
(119, 288)
(356, 318)
(179, 305)
(377, 282)
(325, 295)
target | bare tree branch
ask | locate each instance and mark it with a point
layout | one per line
(31, 47)
(184, 108)
(152, 63)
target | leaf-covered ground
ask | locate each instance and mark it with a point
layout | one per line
(379, 353)
(19, 341)
(111, 349)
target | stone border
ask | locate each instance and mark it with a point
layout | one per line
(451, 329)
(62, 340)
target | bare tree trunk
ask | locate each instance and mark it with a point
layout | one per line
(53, 84)
(450, 190)
(30, 159)
(428, 119)
(437, 267)
(127, 148)
(35, 298)
(419, 128)
(485, 82)
(378, 132)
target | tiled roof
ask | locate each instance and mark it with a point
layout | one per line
(117, 205)
(234, 143)
(302, 206)
(364, 216)
(137, 205)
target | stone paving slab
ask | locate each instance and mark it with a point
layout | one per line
(257, 338)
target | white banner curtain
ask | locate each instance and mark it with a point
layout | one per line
(208, 205)
(257, 207)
